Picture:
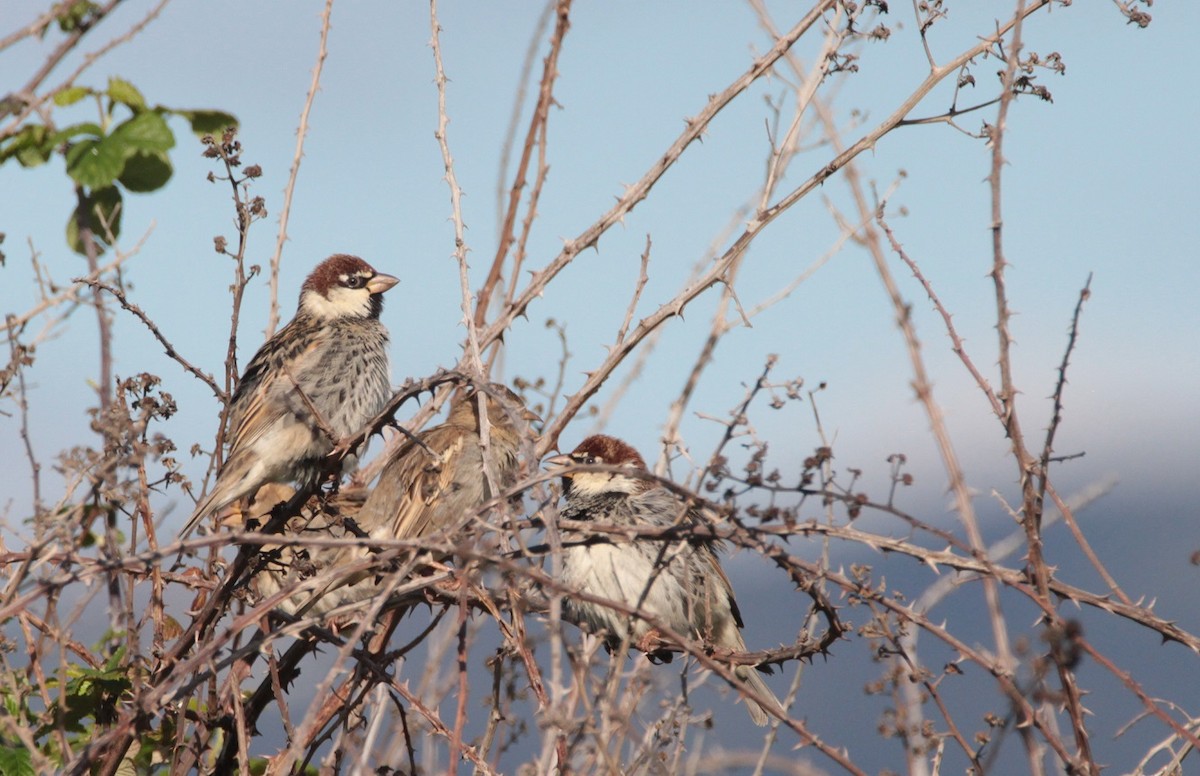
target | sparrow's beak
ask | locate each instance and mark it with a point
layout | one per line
(381, 283)
(529, 416)
(555, 462)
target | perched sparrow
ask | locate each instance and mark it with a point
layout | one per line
(679, 583)
(319, 379)
(432, 483)
(435, 483)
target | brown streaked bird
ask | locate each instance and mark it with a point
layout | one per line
(680, 583)
(331, 358)
(433, 483)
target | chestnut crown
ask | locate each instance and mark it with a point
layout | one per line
(344, 286)
(604, 449)
(601, 449)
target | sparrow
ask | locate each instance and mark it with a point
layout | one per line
(438, 479)
(679, 583)
(434, 482)
(318, 380)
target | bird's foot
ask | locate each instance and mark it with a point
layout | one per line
(654, 646)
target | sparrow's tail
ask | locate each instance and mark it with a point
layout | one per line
(203, 510)
(242, 475)
(760, 713)
(224, 493)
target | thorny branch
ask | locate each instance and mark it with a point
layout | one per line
(289, 190)
(158, 335)
(496, 582)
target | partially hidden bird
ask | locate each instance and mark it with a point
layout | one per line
(678, 583)
(318, 380)
(434, 481)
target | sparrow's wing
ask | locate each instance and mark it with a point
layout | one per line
(267, 392)
(708, 579)
(719, 584)
(416, 488)
(720, 590)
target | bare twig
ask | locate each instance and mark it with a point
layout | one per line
(535, 135)
(52, 61)
(641, 189)
(104, 385)
(759, 222)
(68, 294)
(288, 190)
(172, 353)
(473, 356)
(643, 278)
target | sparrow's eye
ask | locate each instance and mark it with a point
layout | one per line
(354, 281)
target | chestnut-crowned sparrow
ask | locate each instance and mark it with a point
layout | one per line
(679, 583)
(331, 358)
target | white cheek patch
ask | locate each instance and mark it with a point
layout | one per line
(341, 303)
(595, 483)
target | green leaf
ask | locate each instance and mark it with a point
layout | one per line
(144, 132)
(209, 122)
(95, 164)
(146, 171)
(32, 157)
(100, 207)
(71, 96)
(16, 762)
(114, 667)
(66, 133)
(13, 705)
(30, 146)
(126, 93)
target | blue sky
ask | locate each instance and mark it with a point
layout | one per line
(1101, 181)
(1094, 184)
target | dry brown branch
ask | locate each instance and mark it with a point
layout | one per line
(1028, 470)
(938, 592)
(36, 27)
(639, 190)
(137, 312)
(18, 355)
(536, 135)
(514, 120)
(924, 391)
(104, 385)
(52, 61)
(719, 269)
(228, 150)
(997, 406)
(70, 294)
(285, 209)
(643, 278)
